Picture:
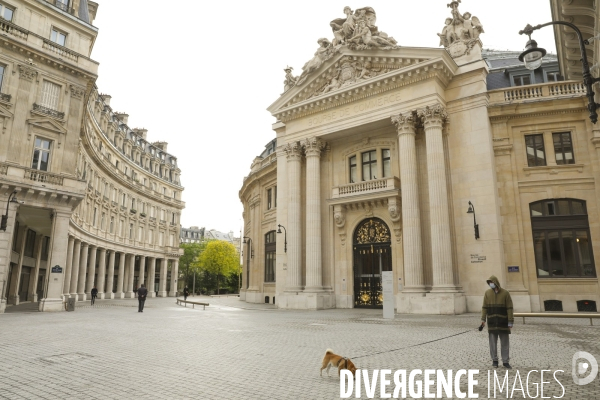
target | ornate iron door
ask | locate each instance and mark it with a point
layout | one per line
(372, 255)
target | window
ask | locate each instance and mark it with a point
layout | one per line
(164, 190)
(269, 197)
(122, 228)
(270, 252)
(50, 95)
(369, 165)
(551, 76)
(387, 164)
(161, 239)
(353, 177)
(102, 219)
(62, 4)
(29, 243)
(561, 239)
(45, 248)
(41, 154)
(563, 148)
(15, 236)
(536, 156)
(6, 12)
(553, 305)
(133, 203)
(140, 233)
(130, 231)
(112, 224)
(173, 218)
(586, 306)
(151, 237)
(2, 67)
(124, 199)
(521, 80)
(58, 37)
(94, 219)
(275, 197)
(171, 240)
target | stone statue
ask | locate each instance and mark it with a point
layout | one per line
(461, 32)
(343, 28)
(290, 80)
(324, 52)
(364, 38)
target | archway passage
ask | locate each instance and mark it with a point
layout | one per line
(372, 256)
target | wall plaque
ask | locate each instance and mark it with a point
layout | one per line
(514, 268)
(476, 258)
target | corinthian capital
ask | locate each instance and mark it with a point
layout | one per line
(313, 146)
(433, 116)
(293, 150)
(405, 123)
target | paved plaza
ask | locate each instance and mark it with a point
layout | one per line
(235, 350)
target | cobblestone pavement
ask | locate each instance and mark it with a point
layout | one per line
(245, 351)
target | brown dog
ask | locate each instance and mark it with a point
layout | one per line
(332, 359)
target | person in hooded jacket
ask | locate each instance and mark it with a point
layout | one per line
(498, 311)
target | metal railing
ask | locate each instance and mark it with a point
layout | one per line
(557, 315)
(48, 111)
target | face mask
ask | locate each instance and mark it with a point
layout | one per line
(492, 285)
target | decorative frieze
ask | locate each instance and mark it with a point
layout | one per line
(77, 92)
(27, 73)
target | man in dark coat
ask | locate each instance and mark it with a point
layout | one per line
(142, 293)
(94, 293)
(186, 293)
(498, 310)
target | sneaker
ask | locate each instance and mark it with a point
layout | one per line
(507, 366)
(495, 364)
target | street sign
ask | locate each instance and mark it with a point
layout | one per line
(56, 269)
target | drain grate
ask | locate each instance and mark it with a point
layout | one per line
(65, 358)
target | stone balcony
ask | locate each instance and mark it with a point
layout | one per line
(366, 190)
(541, 92)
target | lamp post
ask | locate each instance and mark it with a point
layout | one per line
(532, 57)
(250, 255)
(11, 199)
(285, 236)
(471, 210)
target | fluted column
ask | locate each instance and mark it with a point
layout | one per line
(142, 279)
(82, 271)
(91, 271)
(294, 229)
(33, 278)
(75, 268)
(110, 278)
(433, 119)
(411, 220)
(174, 277)
(101, 273)
(151, 275)
(120, 277)
(314, 267)
(131, 274)
(162, 282)
(69, 266)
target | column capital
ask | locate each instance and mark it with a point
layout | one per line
(293, 151)
(405, 123)
(434, 116)
(85, 244)
(313, 146)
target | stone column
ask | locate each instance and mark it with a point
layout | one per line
(130, 273)
(162, 283)
(314, 268)
(294, 229)
(75, 268)
(69, 266)
(411, 220)
(91, 271)
(15, 281)
(151, 275)
(121, 275)
(85, 247)
(109, 294)
(101, 273)
(33, 279)
(174, 276)
(441, 252)
(58, 257)
(142, 280)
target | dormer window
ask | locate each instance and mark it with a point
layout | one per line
(62, 4)
(58, 36)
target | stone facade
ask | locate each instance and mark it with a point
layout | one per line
(379, 152)
(98, 205)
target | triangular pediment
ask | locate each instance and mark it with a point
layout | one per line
(4, 112)
(47, 124)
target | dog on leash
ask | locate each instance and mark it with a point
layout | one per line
(333, 360)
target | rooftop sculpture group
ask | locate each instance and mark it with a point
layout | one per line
(357, 32)
(461, 31)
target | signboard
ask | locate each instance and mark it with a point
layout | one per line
(514, 268)
(387, 284)
(476, 258)
(56, 269)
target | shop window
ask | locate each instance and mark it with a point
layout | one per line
(553, 305)
(270, 256)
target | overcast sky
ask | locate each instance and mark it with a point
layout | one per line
(200, 74)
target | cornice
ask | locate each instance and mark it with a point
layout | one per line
(504, 118)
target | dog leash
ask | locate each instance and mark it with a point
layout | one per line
(408, 347)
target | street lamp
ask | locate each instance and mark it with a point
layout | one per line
(471, 210)
(249, 245)
(285, 236)
(532, 56)
(11, 199)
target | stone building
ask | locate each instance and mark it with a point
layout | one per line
(92, 201)
(433, 163)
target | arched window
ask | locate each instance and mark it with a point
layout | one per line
(561, 239)
(270, 249)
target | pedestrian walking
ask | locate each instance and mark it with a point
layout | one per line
(94, 294)
(186, 293)
(498, 311)
(141, 293)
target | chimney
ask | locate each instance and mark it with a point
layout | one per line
(106, 98)
(141, 132)
(161, 145)
(122, 116)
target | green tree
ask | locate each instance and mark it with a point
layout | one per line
(221, 259)
(189, 261)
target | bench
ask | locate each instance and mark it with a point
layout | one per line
(193, 303)
(558, 315)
